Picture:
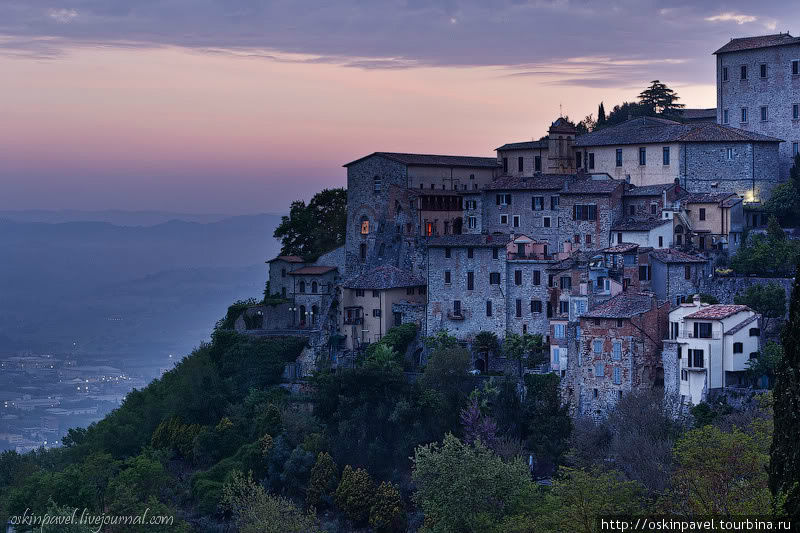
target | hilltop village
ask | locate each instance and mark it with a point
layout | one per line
(600, 242)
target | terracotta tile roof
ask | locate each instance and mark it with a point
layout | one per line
(743, 324)
(633, 224)
(718, 311)
(759, 41)
(433, 160)
(648, 190)
(312, 270)
(624, 305)
(592, 186)
(525, 145)
(675, 256)
(543, 182)
(288, 259)
(656, 130)
(385, 277)
(476, 240)
(621, 248)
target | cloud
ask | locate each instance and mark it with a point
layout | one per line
(738, 18)
(64, 16)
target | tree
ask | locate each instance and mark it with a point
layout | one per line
(323, 482)
(354, 494)
(784, 464)
(387, 514)
(486, 343)
(601, 115)
(660, 98)
(256, 511)
(461, 486)
(478, 426)
(519, 347)
(771, 254)
(766, 364)
(447, 373)
(784, 202)
(384, 359)
(311, 230)
(546, 422)
(769, 300)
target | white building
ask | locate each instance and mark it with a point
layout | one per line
(713, 343)
(652, 232)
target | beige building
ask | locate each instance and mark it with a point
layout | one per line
(367, 303)
(715, 221)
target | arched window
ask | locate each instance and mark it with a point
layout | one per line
(302, 315)
(364, 225)
(313, 287)
(738, 347)
(314, 311)
(376, 184)
(302, 286)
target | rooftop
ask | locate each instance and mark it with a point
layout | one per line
(432, 160)
(758, 41)
(621, 248)
(473, 239)
(743, 324)
(385, 277)
(634, 224)
(525, 145)
(623, 305)
(675, 256)
(562, 126)
(707, 197)
(699, 115)
(288, 259)
(544, 182)
(592, 186)
(312, 270)
(718, 311)
(656, 130)
(648, 190)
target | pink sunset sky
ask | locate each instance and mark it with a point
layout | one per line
(242, 107)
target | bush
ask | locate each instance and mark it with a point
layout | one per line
(387, 514)
(324, 477)
(354, 494)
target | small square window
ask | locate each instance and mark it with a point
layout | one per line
(376, 294)
(516, 221)
(504, 219)
(546, 222)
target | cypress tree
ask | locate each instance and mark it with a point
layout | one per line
(601, 114)
(784, 464)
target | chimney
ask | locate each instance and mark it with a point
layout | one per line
(696, 300)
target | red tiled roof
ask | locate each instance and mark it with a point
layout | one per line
(758, 41)
(718, 311)
(312, 270)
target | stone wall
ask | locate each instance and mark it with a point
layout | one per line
(609, 211)
(725, 288)
(753, 169)
(531, 321)
(531, 222)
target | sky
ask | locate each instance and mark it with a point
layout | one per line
(241, 106)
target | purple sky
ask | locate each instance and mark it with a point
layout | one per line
(241, 106)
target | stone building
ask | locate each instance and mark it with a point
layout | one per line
(710, 346)
(676, 275)
(280, 282)
(703, 157)
(552, 154)
(589, 209)
(713, 221)
(652, 232)
(313, 291)
(619, 352)
(650, 200)
(758, 90)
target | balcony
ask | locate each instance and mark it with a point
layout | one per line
(353, 321)
(455, 315)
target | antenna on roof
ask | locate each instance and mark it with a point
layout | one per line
(560, 111)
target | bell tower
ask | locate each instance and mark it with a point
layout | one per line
(560, 141)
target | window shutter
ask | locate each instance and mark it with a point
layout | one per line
(497, 197)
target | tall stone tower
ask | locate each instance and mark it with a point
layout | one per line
(560, 155)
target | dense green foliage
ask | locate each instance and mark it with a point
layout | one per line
(768, 255)
(784, 464)
(311, 230)
(785, 200)
(767, 299)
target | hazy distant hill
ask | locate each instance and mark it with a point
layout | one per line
(135, 291)
(112, 216)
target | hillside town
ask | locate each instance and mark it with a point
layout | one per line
(600, 242)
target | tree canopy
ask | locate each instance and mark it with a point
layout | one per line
(660, 98)
(311, 230)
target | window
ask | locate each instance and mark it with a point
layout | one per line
(520, 164)
(546, 220)
(744, 114)
(619, 157)
(580, 308)
(665, 155)
(702, 213)
(504, 219)
(549, 280)
(447, 276)
(563, 307)
(616, 351)
(695, 359)
(364, 225)
(584, 212)
(617, 375)
(702, 330)
(597, 346)
(755, 332)
(762, 71)
(795, 111)
(559, 331)
(447, 252)
(566, 282)
(724, 73)
(555, 355)
(503, 199)
(536, 306)
(494, 278)
(687, 272)
(591, 160)
(283, 272)
(684, 375)
(314, 287)
(587, 239)
(302, 286)
(376, 313)
(577, 239)
(725, 119)
(537, 277)
(537, 163)
(738, 347)
(599, 370)
(729, 154)
(518, 277)
(653, 209)
(488, 308)
(518, 310)
(644, 270)
(642, 155)
(470, 252)
(578, 159)
(283, 292)
(594, 393)
(457, 307)
(516, 221)
(619, 237)
(376, 294)
(537, 203)
(421, 290)
(410, 291)
(376, 184)
(660, 241)
(470, 281)
(619, 322)
(505, 165)
(360, 292)
(795, 67)
(362, 251)
(494, 253)
(553, 203)
(743, 72)
(472, 222)
(794, 149)
(763, 113)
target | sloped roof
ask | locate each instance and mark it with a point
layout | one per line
(562, 126)
(649, 190)
(525, 145)
(634, 224)
(706, 197)
(288, 259)
(758, 41)
(312, 270)
(718, 311)
(656, 130)
(675, 256)
(543, 182)
(592, 186)
(623, 305)
(698, 115)
(474, 240)
(743, 324)
(385, 277)
(621, 248)
(433, 160)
